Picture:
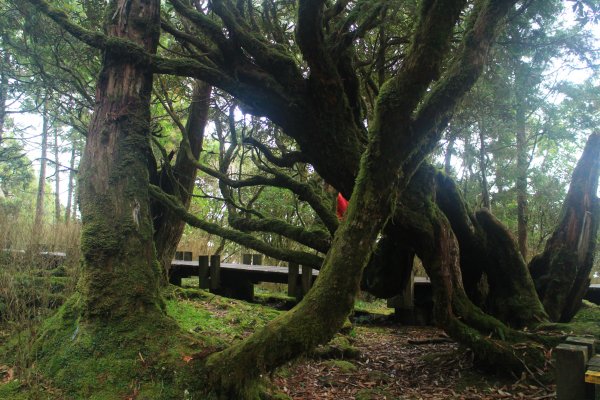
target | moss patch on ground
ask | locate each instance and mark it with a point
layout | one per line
(145, 357)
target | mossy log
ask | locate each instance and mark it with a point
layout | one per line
(562, 272)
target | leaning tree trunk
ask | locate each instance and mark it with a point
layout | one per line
(180, 179)
(120, 274)
(562, 271)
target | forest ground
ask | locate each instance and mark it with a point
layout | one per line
(374, 358)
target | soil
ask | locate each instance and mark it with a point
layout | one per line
(399, 362)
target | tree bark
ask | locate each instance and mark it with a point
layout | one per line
(562, 272)
(180, 179)
(120, 272)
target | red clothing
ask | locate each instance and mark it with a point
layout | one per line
(342, 205)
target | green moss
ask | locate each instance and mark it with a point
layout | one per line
(372, 394)
(342, 365)
(218, 319)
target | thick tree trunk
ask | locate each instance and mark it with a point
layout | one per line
(179, 181)
(390, 266)
(120, 272)
(562, 271)
(430, 233)
(41, 190)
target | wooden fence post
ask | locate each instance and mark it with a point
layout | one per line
(570, 371)
(247, 259)
(215, 272)
(203, 272)
(257, 259)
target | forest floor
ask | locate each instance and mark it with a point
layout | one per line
(402, 362)
(377, 358)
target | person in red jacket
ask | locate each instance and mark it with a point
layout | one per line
(342, 205)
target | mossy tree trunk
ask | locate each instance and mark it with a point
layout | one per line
(398, 142)
(431, 235)
(495, 275)
(562, 271)
(179, 179)
(120, 273)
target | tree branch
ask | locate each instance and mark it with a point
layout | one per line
(241, 238)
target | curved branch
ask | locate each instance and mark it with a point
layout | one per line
(244, 239)
(281, 66)
(481, 31)
(315, 239)
(287, 160)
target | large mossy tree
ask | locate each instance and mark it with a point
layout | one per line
(297, 65)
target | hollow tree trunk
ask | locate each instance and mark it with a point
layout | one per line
(180, 180)
(562, 271)
(120, 272)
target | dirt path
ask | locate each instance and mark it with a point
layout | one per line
(400, 363)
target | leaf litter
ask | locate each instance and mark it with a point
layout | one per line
(399, 362)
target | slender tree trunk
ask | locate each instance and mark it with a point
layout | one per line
(562, 271)
(3, 92)
(120, 275)
(485, 193)
(39, 203)
(70, 185)
(521, 183)
(181, 179)
(56, 179)
(448, 155)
